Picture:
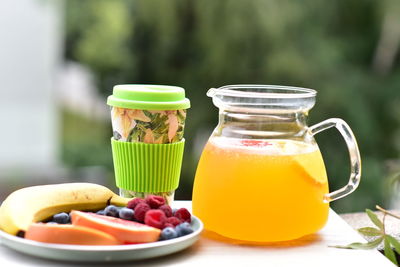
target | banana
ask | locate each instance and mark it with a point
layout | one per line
(37, 203)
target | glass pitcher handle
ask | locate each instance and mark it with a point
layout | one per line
(355, 159)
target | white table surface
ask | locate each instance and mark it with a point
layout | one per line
(310, 251)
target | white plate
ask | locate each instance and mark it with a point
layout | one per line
(102, 253)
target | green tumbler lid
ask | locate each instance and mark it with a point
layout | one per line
(148, 97)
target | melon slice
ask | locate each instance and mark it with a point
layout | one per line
(68, 234)
(125, 231)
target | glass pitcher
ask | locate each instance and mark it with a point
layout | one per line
(261, 176)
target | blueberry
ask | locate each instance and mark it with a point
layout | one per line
(62, 218)
(126, 214)
(184, 229)
(101, 212)
(112, 211)
(168, 233)
(52, 222)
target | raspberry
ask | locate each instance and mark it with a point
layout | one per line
(183, 215)
(140, 211)
(174, 221)
(155, 201)
(134, 202)
(166, 209)
(155, 218)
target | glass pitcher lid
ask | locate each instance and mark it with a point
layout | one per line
(263, 97)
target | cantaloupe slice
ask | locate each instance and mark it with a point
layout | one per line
(68, 234)
(125, 231)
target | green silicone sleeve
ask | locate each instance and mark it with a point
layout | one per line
(142, 167)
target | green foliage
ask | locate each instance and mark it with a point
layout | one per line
(372, 216)
(85, 141)
(389, 242)
(327, 45)
(370, 245)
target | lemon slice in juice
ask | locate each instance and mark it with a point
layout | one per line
(312, 166)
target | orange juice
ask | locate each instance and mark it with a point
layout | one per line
(261, 191)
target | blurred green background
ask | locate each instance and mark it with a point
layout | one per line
(345, 49)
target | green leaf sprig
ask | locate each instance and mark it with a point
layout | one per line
(380, 235)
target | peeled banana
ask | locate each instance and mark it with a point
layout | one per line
(37, 203)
